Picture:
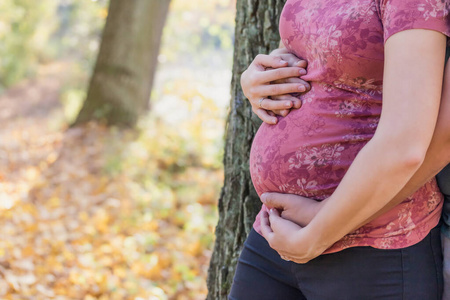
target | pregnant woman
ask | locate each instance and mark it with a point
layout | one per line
(302, 210)
(342, 147)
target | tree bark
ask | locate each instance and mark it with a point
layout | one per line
(123, 75)
(256, 32)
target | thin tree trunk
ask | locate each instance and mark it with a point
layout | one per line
(122, 80)
(256, 32)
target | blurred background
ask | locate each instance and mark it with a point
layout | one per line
(101, 210)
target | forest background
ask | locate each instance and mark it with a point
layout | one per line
(96, 212)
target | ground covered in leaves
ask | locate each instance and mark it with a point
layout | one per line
(105, 213)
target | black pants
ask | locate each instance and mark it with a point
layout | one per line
(358, 273)
(443, 180)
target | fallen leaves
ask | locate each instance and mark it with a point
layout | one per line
(104, 213)
(100, 213)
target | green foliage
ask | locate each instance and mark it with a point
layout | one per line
(199, 32)
(34, 32)
(78, 33)
(23, 27)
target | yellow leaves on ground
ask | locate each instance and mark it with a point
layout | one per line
(98, 213)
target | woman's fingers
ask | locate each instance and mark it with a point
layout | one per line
(267, 108)
(293, 61)
(269, 81)
(266, 116)
(281, 89)
(279, 233)
(266, 230)
(271, 113)
(269, 104)
(263, 61)
(256, 84)
(280, 73)
(297, 103)
(276, 200)
(301, 64)
(290, 80)
(277, 230)
(270, 108)
(293, 80)
(282, 113)
(281, 226)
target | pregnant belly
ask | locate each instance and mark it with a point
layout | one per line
(308, 152)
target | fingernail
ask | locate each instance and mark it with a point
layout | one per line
(288, 104)
(282, 61)
(271, 210)
(301, 88)
(302, 72)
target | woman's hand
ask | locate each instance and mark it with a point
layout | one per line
(297, 209)
(269, 81)
(291, 241)
(283, 226)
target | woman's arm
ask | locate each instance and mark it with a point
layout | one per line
(302, 210)
(390, 159)
(438, 153)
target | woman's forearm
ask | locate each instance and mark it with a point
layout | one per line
(398, 148)
(437, 157)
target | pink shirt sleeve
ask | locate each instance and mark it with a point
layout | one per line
(399, 15)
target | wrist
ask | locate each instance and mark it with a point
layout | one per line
(317, 245)
(318, 234)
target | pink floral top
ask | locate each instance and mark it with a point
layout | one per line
(309, 151)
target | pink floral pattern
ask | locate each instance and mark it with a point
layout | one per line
(309, 151)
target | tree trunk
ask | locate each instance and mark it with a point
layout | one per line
(123, 75)
(256, 32)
